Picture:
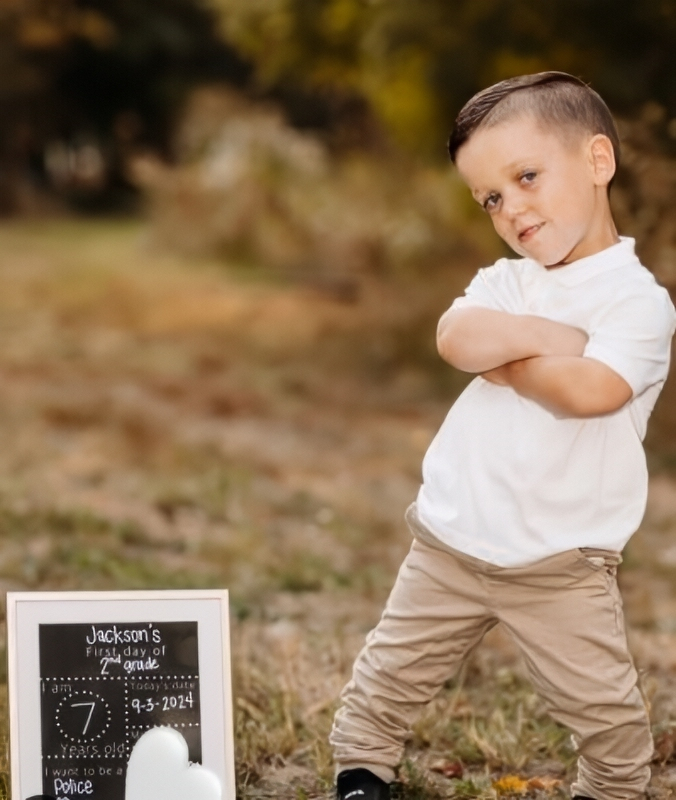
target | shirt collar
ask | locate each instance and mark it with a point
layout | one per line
(617, 255)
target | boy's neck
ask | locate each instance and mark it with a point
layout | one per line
(602, 235)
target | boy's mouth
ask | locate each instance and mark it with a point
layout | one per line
(526, 233)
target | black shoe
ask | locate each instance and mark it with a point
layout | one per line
(581, 797)
(361, 784)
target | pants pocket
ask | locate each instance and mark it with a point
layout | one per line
(606, 562)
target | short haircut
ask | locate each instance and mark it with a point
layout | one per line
(556, 99)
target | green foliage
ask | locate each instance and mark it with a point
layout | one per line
(416, 63)
(115, 74)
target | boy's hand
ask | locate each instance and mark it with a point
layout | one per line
(566, 386)
(480, 339)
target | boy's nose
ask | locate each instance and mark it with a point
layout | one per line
(513, 205)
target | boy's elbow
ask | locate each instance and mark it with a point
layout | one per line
(454, 352)
(446, 350)
(449, 343)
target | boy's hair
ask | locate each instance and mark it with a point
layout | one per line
(557, 99)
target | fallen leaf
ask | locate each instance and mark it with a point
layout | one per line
(511, 784)
(449, 769)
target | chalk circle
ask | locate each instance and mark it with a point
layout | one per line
(159, 769)
(97, 722)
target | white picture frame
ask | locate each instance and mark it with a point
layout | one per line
(102, 618)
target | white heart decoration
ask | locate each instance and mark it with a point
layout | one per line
(159, 769)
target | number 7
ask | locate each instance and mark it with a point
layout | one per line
(91, 711)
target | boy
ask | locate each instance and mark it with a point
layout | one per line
(537, 477)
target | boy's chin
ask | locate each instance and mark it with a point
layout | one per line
(545, 248)
(547, 256)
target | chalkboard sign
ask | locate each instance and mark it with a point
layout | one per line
(89, 673)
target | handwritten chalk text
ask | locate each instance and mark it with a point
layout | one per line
(112, 634)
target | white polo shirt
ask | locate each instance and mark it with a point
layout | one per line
(509, 482)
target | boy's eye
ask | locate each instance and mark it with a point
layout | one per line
(528, 177)
(491, 202)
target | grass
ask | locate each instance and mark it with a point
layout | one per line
(167, 424)
(77, 550)
(492, 718)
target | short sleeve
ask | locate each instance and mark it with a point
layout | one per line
(497, 287)
(633, 338)
(477, 294)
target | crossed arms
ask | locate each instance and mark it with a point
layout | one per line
(540, 359)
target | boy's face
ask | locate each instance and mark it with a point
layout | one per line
(546, 194)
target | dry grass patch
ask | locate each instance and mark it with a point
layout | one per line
(178, 423)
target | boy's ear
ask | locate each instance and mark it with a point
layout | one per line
(602, 157)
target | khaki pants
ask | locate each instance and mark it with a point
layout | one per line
(565, 615)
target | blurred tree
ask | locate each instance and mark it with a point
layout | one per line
(417, 61)
(82, 81)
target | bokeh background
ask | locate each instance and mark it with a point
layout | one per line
(227, 231)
